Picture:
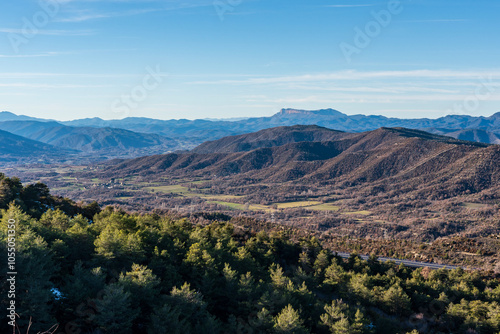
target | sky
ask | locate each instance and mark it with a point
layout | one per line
(168, 59)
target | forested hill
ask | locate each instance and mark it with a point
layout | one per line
(270, 138)
(35, 199)
(419, 162)
(14, 148)
(146, 273)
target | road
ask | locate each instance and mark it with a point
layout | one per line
(408, 263)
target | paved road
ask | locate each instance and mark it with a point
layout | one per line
(408, 263)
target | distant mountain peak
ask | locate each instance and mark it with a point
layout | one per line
(9, 116)
(322, 112)
(495, 116)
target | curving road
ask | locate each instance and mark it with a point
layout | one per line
(408, 263)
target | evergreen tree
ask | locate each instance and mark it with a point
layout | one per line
(396, 300)
(288, 321)
(142, 285)
(115, 313)
(168, 320)
(35, 268)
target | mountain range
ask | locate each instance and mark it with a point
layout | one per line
(15, 148)
(397, 158)
(86, 139)
(329, 118)
(135, 136)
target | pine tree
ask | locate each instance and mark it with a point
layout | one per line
(288, 321)
(396, 300)
(142, 285)
(263, 322)
(278, 278)
(360, 324)
(115, 314)
(168, 320)
(322, 261)
(335, 316)
(78, 294)
(35, 268)
(341, 326)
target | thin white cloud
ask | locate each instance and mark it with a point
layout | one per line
(159, 6)
(371, 98)
(81, 17)
(349, 6)
(436, 20)
(358, 75)
(72, 75)
(379, 89)
(50, 32)
(59, 86)
(46, 54)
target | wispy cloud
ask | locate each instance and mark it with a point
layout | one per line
(23, 75)
(349, 6)
(58, 86)
(358, 75)
(83, 15)
(436, 20)
(50, 32)
(369, 99)
(46, 54)
(45, 75)
(86, 16)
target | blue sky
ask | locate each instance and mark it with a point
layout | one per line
(169, 59)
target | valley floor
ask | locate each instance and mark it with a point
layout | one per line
(460, 231)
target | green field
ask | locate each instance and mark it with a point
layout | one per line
(325, 207)
(183, 190)
(233, 206)
(299, 204)
(238, 206)
(220, 197)
(171, 189)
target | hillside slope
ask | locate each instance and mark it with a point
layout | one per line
(13, 147)
(271, 138)
(87, 139)
(477, 135)
(400, 158)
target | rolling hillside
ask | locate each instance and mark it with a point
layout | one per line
(404, 183)
(88, 139)
(14, 148)
(270, 138)
(399, 158)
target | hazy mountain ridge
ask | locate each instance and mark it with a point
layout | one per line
(138, 136)
(203, 130)
(8, 116)
(476, 135)
(15, 148)
(88, 139)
